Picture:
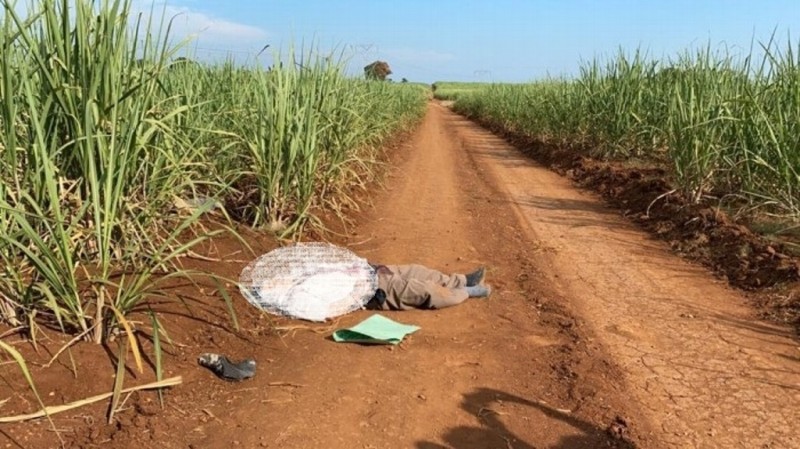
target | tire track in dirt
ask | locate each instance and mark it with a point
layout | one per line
(696, 360)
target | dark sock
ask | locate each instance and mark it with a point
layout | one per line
(476, 277)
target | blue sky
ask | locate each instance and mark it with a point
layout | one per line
(499, 40)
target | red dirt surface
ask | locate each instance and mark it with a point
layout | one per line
(595, 336)
(701, 232)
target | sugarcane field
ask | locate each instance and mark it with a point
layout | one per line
(430, 225)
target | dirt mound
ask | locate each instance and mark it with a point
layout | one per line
(702, 232)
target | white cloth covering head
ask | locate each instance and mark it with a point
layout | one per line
(310, 281)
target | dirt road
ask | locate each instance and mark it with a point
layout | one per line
(593, 329)
(699, 366)
(595, 336)
(489, 373)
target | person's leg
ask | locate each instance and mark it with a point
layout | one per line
(404, 293)
(441, 297)
(400, 293)
(425, 274)
(479, 291)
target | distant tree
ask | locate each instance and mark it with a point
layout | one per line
(378, 70)
(404, 80)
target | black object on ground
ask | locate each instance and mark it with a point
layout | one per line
(226, 369)
(476, 277)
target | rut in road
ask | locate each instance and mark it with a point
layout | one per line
(591, 325)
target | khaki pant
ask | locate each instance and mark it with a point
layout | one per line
(415, 286)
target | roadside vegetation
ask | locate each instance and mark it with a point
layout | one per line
(113, 149)
(452, 90)
(727, 128)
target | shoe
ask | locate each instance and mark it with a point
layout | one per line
(226, 369)
(479, 291)
(476, 277)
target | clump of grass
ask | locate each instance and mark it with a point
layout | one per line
(112, 148)
(288, 135)
(93, 157)
(726, 126)
(451, 90)
(106, 135)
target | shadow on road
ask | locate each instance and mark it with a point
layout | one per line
(495, 434)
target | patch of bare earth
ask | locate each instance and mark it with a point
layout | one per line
(763, 266)
(705, 371)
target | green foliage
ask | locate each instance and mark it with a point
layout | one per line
(91, 157)
(377, 71)
(726, 127)
(112, 149)
(452, 90)
(287, 139)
